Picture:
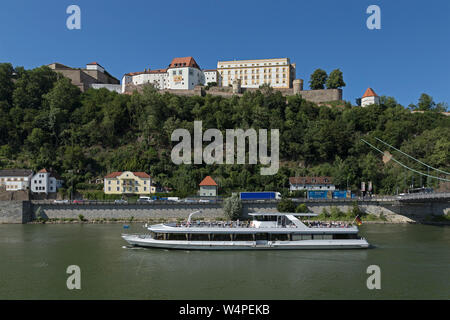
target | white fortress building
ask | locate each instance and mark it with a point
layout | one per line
(182, 73)
(278, 73)
(369, 98)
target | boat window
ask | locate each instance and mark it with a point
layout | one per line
(159, 236)
(327, 236)
(199, 237)
(279, 237)
(221, 237)
(345, 236)
(243, 237)
(176, 236)
(318, 237)
(262, 236)
(297, 237)
(306, 236)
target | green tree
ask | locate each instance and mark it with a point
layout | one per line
(335, 80)
(302, 208)
(232, 207)
(286, 205)
(318, 79)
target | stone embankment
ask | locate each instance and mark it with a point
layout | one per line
(26, 211)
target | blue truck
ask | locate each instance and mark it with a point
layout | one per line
(265, 195)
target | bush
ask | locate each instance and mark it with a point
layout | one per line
(232, 207)
(81, 217)
(325, 214)
(301, 208)
(356, 211)
(286, 205)
(336, 213)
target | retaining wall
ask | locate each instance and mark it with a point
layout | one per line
(25, 211)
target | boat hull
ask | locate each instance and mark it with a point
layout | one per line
(136, 240)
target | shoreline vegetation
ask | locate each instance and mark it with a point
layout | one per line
(47, 122)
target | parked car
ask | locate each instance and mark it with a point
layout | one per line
(77, 201)
(120, 201)
(61, 201)
(205, 201)
(144, 200)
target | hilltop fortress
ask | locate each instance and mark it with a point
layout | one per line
(183, 76)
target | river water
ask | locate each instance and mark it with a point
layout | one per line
(414, 262)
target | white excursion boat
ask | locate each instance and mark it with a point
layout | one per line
(266, 231)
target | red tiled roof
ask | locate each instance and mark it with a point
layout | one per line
(43, 171)
(113, 174)
(118, 173)
(369, 93)
(208, 181)
(184, 62)
(141, 174)
(311, 180)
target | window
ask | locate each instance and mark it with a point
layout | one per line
(109, 182)
(174, 72)
(118, 188)
(145, 188)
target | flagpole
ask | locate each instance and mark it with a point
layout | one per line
(355, 219)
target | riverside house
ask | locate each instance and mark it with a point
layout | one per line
(208, 187)
(46, 182)
(311, 183)
(128, 182)
(15, 179)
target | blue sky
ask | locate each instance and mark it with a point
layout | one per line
(408, 56)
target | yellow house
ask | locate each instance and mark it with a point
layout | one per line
(128, 182)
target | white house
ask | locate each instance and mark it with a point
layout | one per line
(311, 183)
(45, 182)
(208, 187)
(182, 73)
(369, 97)
(15, 179)
(211, 75)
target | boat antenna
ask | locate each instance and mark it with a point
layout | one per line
(190, 215)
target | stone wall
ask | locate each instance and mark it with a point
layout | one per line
(15, 211)
(25, 211)
(394, 212)
(318, 96)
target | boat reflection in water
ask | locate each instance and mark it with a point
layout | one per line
(266, 231)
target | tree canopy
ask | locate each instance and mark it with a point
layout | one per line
(335, 80)
(45, 121)
(318, 79)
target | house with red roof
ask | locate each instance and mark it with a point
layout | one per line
(369, 98)
(182, 73)
(128, 182)
(46, 181)
(208, 187)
